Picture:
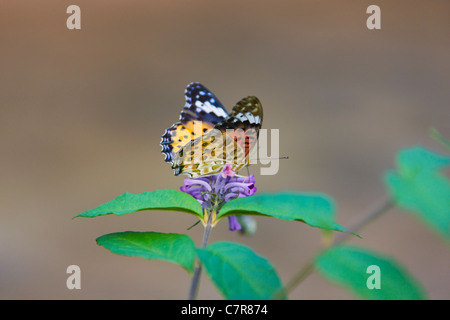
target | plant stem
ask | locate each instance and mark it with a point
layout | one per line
(362, 220)
(302, 274)
(358, 223)
(198, 269)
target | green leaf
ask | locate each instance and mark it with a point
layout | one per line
(350, 267)
(416, 159)
(420, 187)
(167, 199)
(315, 210)
(238, 272)
(172, 247)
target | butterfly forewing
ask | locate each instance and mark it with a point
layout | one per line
(201, 112)
(244, 122)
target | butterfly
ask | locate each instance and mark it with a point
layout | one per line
(206, 137)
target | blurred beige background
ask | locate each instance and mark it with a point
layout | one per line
(82, 113)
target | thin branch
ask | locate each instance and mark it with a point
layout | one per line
(362, 220)
(359, 222)
(198, 269)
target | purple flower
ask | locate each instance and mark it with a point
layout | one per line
(233, 223)
(214, 191)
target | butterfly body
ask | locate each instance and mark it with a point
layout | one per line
(206, 137)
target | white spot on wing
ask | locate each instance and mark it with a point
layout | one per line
(213, 109)
(241, 116)
(250, 117)
(199, 104)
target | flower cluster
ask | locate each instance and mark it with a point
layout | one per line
(214, 191)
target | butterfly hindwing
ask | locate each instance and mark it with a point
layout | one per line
(194, 159)
(201, 113)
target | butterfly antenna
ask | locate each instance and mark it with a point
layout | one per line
(279, 158)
